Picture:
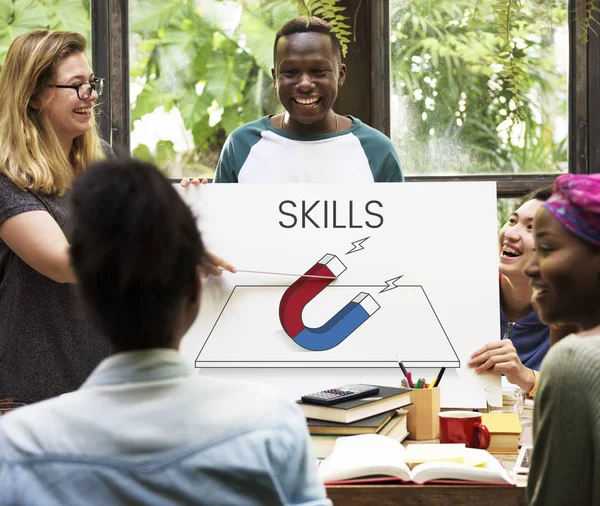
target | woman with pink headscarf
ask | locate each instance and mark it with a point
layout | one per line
(565, 277)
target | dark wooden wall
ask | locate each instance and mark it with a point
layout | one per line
(366, 93)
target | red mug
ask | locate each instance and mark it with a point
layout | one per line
(464, 427)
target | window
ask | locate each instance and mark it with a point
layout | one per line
(20, 16)
(198, 70)
(453, 105)
(370, 84)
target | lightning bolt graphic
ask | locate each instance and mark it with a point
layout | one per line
(391, 284)
(357, 245)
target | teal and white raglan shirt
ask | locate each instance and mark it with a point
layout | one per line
(257, 152)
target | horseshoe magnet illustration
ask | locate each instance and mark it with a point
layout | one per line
(339, 326)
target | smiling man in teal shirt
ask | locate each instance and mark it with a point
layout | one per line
(309, 142)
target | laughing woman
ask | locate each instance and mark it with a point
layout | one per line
(47, 137)
(565, 277)
(524, 339)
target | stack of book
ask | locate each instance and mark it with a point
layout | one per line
(379, 414)
(505, 432)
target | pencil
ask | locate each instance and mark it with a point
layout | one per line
(439, 377)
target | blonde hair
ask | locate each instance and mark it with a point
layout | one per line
(30, 153)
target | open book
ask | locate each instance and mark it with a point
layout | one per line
(372, 455)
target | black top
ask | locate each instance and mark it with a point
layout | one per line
(47, 346)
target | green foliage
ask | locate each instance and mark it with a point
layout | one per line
(16, 18)
(142, 152)
(333, 13)
(515, 69)
(457, 96)
(21, 16)
(165, 152)
(151, 97)
(591, 19)
(69, 15)
(504, 208)
(213, 65)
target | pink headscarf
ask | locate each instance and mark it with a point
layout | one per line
(576, 204)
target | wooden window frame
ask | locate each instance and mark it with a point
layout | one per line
(110, 59)
(366, 93)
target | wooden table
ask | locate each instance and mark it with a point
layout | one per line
(432, 495)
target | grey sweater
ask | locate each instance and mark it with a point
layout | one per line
(565, 467)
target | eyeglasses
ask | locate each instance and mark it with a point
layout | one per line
(84, 90)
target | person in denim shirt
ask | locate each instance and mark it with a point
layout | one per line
(144, 428)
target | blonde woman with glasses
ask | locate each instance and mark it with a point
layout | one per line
(48, 136)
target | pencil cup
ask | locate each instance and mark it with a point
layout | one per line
(422, 422)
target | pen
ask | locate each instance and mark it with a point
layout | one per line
(420, 383)
(406, 374)
(439, 377)
(432, 384)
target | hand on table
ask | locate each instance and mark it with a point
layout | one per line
(502, 357)
(186, 181)
(214, 265)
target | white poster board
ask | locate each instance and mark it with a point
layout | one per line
(413, 274)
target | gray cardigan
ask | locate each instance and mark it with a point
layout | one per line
(565, 467)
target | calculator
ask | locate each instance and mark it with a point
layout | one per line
(340, 394)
